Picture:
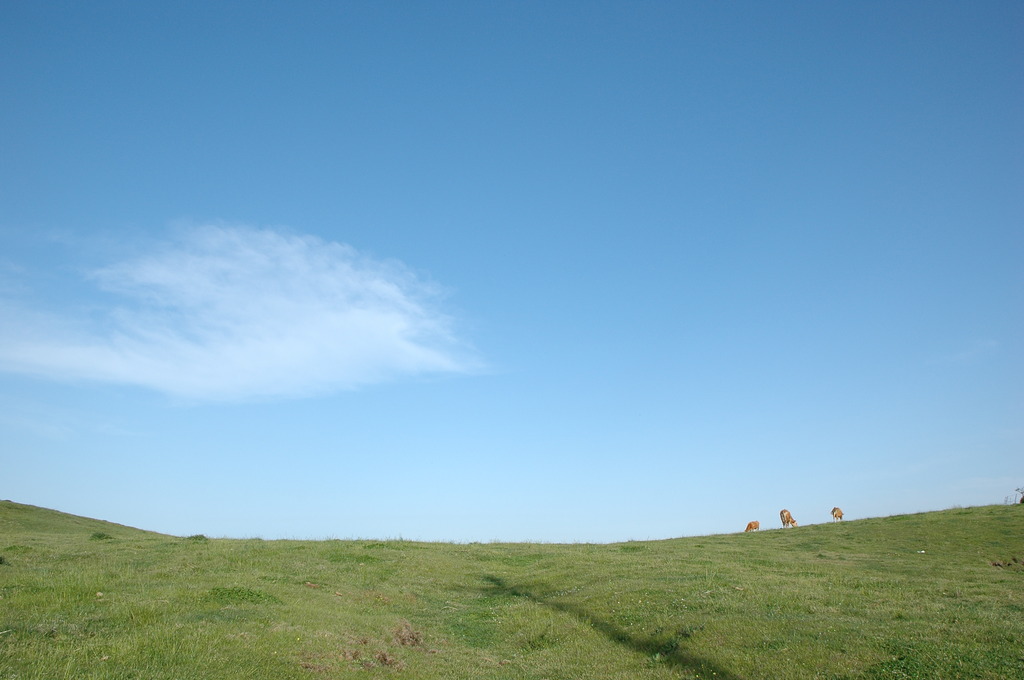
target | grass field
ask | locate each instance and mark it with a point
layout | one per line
(933, 595)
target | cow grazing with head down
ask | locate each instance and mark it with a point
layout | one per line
(837, 514)
(752, 526)
(787, 519)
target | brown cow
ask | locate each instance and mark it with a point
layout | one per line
(752, 526)
(787, 519)
(837, 515)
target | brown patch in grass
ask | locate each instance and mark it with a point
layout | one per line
(406, 636)
(314, 667)
(385, 659)
(1015, 563)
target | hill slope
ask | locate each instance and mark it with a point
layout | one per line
(912, 596)
(30, 521)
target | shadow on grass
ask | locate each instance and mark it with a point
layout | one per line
(663, 649)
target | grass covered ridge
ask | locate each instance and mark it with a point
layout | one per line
(932, 595)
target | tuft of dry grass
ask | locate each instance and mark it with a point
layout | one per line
(405, 635)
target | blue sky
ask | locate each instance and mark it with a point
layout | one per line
(509, 271)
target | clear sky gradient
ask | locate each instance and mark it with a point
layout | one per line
(518, 271)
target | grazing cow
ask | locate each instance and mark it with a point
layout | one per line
(787, 519)
(837, 515)
(752, 526)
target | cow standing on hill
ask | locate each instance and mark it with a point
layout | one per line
(752, 526)
(787, 519)
(837, 515)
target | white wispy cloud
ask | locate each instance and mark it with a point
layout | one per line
(230, 313)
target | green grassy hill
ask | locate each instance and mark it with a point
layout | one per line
(932, 595)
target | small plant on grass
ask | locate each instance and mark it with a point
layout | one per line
(100, 536)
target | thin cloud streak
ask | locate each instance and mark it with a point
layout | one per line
(235, 313)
